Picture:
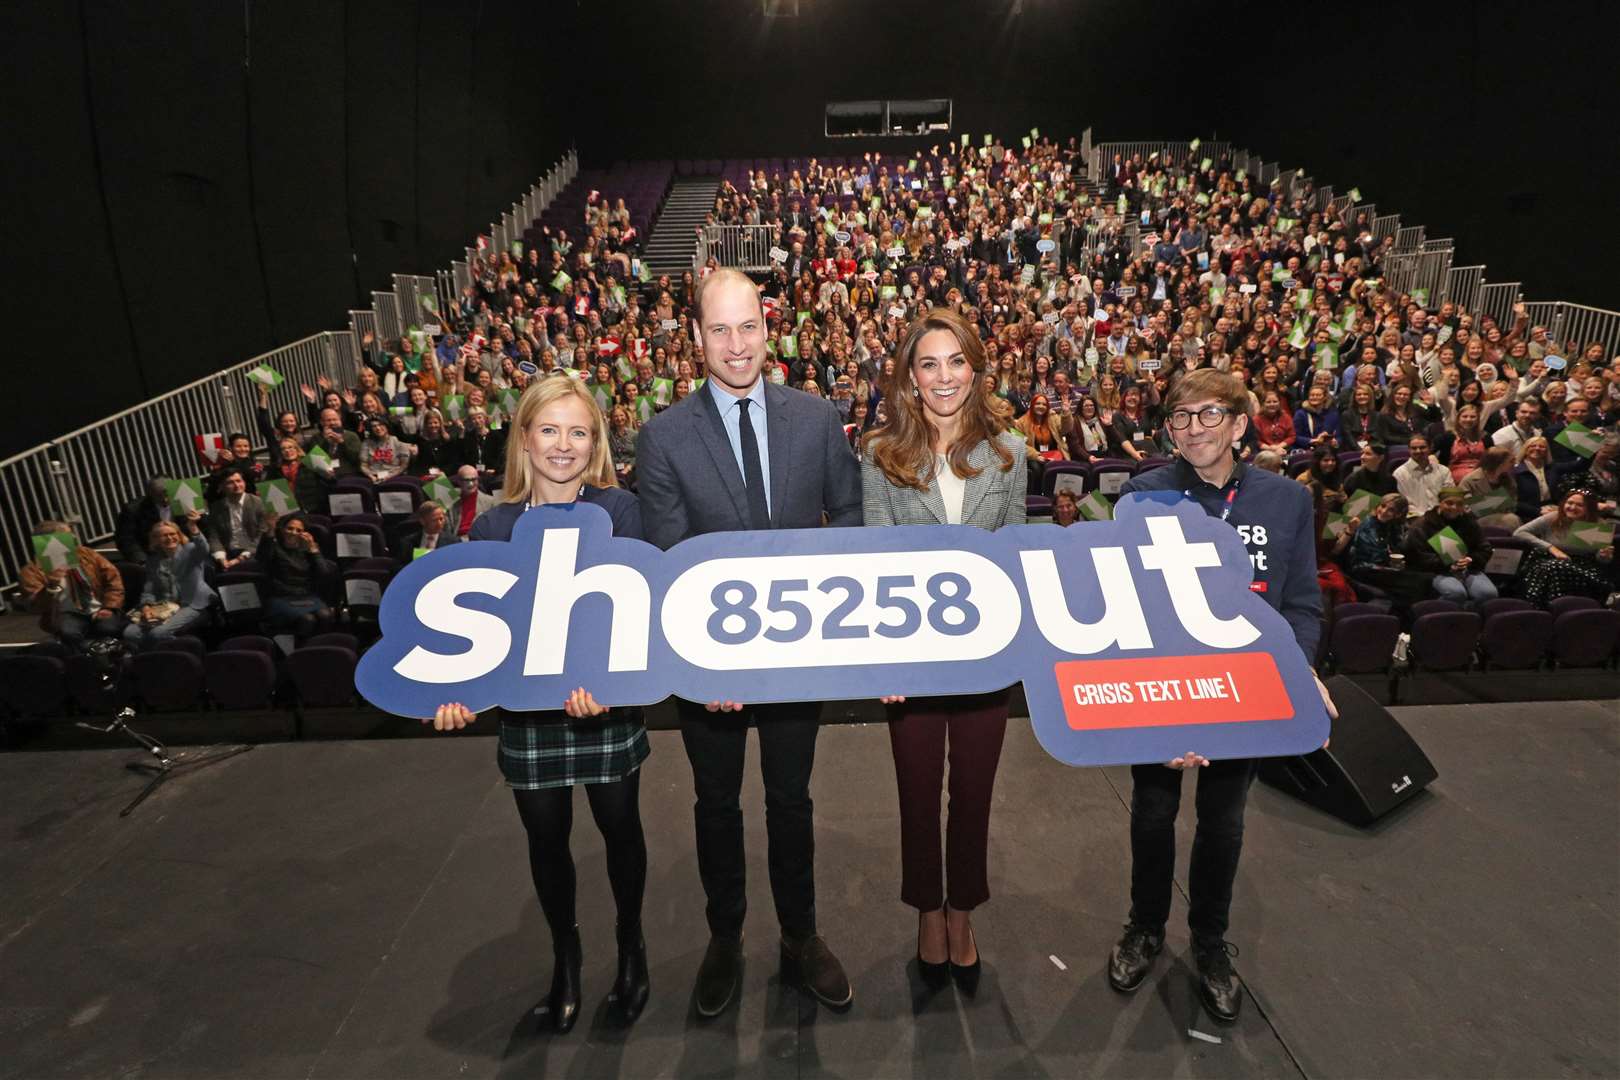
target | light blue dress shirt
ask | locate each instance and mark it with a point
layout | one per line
(730, 417)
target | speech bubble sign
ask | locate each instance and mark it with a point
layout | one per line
(1135, 638)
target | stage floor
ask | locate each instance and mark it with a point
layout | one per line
(363, 909)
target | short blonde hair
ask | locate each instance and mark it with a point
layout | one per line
(520, 483)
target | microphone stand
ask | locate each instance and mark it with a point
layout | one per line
(164, 763)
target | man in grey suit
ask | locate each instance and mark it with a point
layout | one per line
(746, 454)
(235, 522)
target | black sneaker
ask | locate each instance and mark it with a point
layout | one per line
(1218, 985)
(1132, 958)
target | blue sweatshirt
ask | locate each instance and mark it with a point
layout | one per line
(1274, 517)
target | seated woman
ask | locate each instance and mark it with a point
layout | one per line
(296, 576)
(1273, 426)
(1492, 481)
(1559, 567)
(1375, 557)
(382, 455)
(176, 597)
(436, 453)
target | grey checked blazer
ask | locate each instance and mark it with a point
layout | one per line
(992, 499)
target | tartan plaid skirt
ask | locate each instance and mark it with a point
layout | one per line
(561, 753)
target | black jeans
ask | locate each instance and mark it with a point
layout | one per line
(548, 818)
(715, 745)
(1223, 789)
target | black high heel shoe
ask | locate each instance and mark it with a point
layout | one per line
(966, 976)
(563, 1001)
(631, 987)
(934, 975)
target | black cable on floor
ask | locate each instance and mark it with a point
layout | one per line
(1260, 1008)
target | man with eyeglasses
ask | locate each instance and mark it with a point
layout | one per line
(1207, 415)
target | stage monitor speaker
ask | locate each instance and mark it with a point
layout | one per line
(1370, 767)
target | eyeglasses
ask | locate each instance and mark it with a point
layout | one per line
(1209, 416)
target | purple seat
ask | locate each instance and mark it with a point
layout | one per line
(168, 678)
(31, 685)
(335, 639)
(367, 536)
(1055, 469)
(1148, 464)
(240, 678)
(1363, 644)
(363, 608)
(323, 537)
(1516, 639)
(1494, 533)
(1585, 637)
(355, 487)
(1359, 607)
(1299, 459)
(323, 675)
(384, 563)
(411, 489)
(179, 643)
(1434, 606)
(1037, 506)
(1492, 608)
(1445, 640)
(89, 693)
(1571, 603)
(1121, 469)
(249, 643)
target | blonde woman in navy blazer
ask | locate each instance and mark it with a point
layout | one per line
(944, 457)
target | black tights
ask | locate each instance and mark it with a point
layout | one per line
(548, 816)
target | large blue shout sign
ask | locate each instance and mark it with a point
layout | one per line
(1136, 640)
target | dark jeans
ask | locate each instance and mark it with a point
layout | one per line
(1223, 788)
(548, 818)
(921, 731)
(716, 744)
(76, 628)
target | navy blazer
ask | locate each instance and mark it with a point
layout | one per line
(689, 484)
(498, 521)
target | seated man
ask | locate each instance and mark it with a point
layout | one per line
(471, 501)
(80, 598)
(136, 519)
(235, 522)
(428, 529)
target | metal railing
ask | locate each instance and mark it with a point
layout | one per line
(1463, 286)
(86, 476)
(1497, 300)
(741, 247)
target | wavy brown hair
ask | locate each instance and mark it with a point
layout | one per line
(903, 447)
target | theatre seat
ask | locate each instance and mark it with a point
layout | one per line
(1585, 637)
(240, 678)
(323, 675)
(1445, 640)
(1516, 639)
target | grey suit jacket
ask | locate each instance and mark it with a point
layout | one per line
(689, 484)
(992, 499)
(219, 523)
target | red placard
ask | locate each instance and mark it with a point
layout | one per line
(1163, 691)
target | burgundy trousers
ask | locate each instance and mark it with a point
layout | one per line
(924, 733)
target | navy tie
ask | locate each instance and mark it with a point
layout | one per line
(759, 515)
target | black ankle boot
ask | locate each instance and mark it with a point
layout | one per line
(631, 987)
(563, 1001)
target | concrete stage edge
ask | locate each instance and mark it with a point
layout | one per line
(363, 909)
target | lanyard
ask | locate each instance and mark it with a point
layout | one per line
(1226, 507)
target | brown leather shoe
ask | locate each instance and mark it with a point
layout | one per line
(810, 965)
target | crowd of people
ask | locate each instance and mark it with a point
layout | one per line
(1407, 420)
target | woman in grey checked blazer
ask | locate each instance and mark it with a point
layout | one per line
(945, 457)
